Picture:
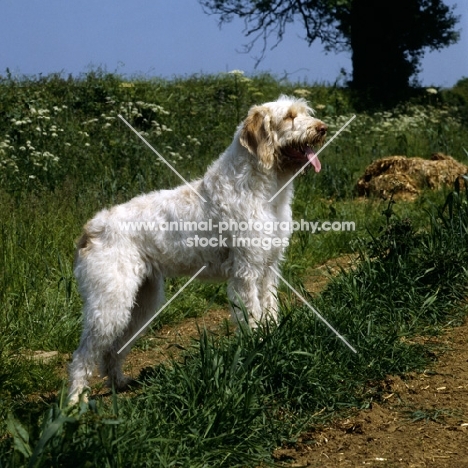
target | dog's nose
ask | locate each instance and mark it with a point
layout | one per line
(322, 128)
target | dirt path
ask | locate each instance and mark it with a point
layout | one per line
(171, 339)
(421, 421)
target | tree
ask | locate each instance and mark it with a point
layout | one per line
(387, 38)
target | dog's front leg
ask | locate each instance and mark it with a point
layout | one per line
(243, 293)
(269, 298)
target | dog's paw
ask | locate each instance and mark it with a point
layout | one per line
(77, 397)
(120, 383)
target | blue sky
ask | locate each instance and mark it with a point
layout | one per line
(169, 38)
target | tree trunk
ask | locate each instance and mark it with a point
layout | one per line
(381, 66)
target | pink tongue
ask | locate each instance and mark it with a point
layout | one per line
(313, 158)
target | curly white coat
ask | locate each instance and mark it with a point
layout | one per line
(120, 270)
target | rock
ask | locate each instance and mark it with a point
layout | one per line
(405, 178)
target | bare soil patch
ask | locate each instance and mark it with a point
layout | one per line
(318, 278)
(420, 421)
(170, 340)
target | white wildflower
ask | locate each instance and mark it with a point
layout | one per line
(303, 93)
(236, 72)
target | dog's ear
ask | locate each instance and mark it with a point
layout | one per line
(257, 137)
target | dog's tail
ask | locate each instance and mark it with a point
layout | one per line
(92, 231)
(83, 245)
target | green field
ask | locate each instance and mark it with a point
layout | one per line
(64, 154)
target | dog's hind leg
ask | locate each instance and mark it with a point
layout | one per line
(148, 300)
(109, 284)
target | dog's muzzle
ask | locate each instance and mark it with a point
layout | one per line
(300, 154)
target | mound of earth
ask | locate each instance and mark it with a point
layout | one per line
(404, 178)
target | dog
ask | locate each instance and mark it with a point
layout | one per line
(124, 253)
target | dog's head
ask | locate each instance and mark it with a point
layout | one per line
(283, 134)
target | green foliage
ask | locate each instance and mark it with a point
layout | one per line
(457, 98)
(230, 400)
(434, 415)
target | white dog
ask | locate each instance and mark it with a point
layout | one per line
(125, 252)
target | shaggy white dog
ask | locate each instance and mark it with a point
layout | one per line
(237, 233)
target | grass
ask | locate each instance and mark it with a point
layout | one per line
(231, 399)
